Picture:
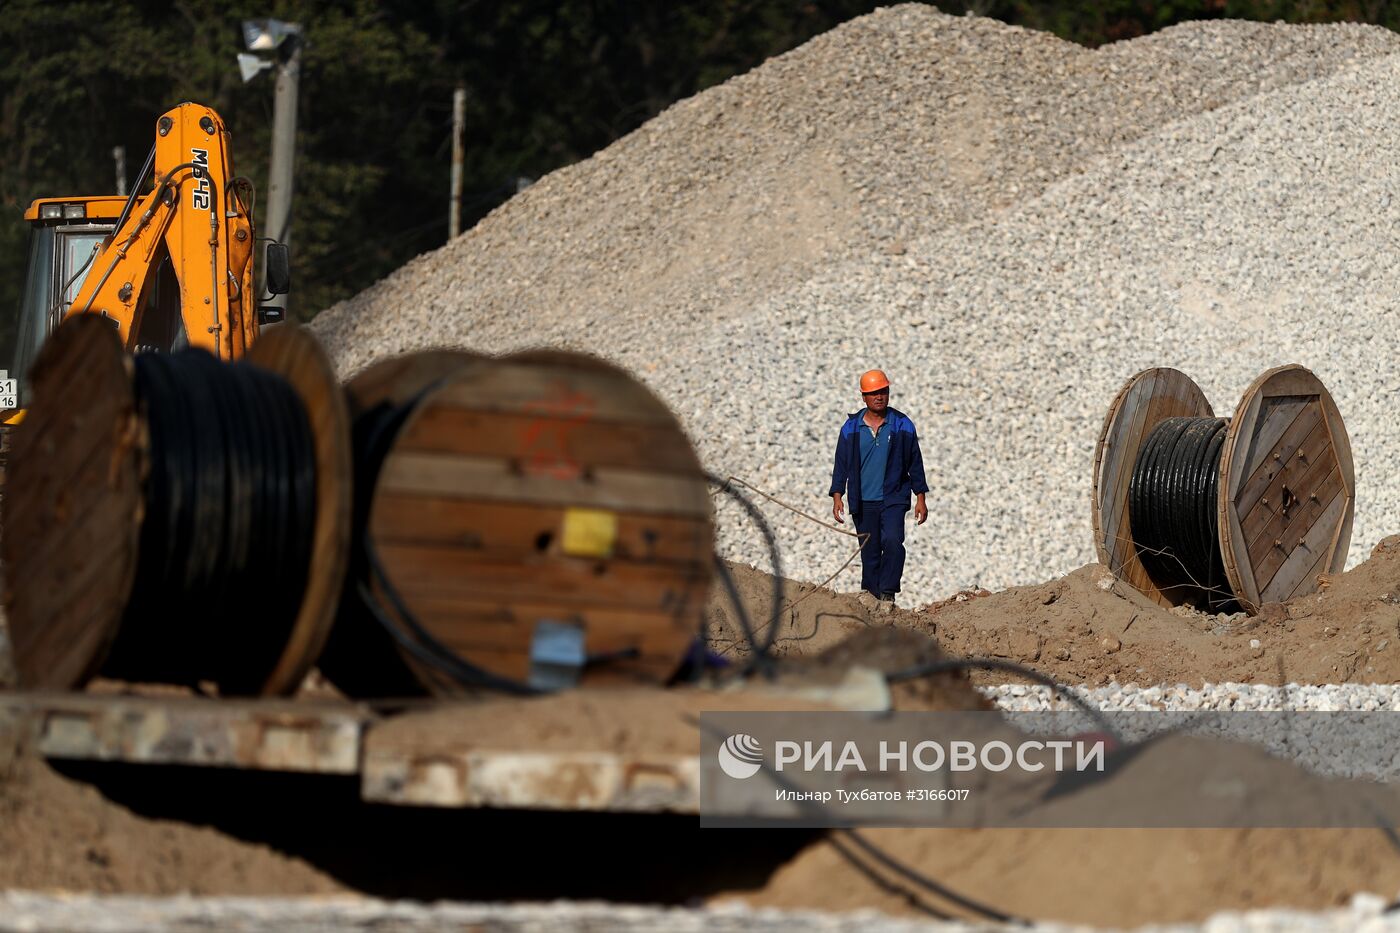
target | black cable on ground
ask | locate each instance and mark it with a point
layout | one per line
(886, 884)
(229, 518)
(929, 884)
(761, 657)
(1172, 503)
(950, 665)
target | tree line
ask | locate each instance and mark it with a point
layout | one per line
(548, 83)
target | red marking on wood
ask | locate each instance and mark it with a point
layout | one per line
(545, 445)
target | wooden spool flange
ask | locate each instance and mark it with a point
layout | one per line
(294, 354)
(1287, 490)
(541, 504)
(1286, 486)
(1146, 400)
(72, 521)
(72, 509)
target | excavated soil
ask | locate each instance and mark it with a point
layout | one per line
(1087, 627)
(1117, 877)
(58, 834)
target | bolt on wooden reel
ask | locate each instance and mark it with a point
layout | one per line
(1215, 513)
(88, 485)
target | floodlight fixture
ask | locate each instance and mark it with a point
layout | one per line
(265, 35)
(250, 66)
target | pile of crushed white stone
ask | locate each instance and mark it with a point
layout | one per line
(1010, 225)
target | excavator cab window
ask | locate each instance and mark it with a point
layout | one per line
(60, 257)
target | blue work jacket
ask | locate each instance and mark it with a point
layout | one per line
(904, 471)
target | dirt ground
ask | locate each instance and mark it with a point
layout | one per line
(1087, 627)
(58, 834)
(1105, 877)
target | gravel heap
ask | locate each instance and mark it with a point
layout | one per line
(1009, 224)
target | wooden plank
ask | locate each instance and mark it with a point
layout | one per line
(1234, 550)
(487, 625)
(1268, 522)
(493, 479)
(1299, 475)
(523, 528)
(551, 445)
(1291, 578)
(1319, 567)
(1306, 431)
(305, 736)
(1275, 417)
(1341, 449)
(527, 389)
(453, 573)
(1267, 558)
(1291, 380)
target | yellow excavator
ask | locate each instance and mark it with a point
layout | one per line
(170, 268)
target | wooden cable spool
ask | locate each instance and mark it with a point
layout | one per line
(360, 658)
(544, 518)
(1285, 493)
(73, 517)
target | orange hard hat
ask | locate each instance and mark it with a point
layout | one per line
(874, 381)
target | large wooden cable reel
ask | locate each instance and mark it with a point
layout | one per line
(545, 518)
(73, 520)
(360, 658)
(1285, 497)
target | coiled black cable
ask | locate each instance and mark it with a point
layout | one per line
(1172, 503)
(229, 521)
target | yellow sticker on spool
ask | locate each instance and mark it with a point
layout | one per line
(589, 533)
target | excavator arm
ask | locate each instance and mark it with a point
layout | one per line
(195, 216)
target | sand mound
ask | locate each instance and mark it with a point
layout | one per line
(60, 835)
(1086, 627)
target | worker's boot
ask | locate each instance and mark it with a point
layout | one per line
(886, 603)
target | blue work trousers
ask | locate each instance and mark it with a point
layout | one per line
(882, 556)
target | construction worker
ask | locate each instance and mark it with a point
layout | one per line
(878, 465)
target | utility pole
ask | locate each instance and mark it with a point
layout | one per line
(459, 121)
(284, 138)
(119, 156)
(277, 45)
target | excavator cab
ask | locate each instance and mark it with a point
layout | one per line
(66, 236)
(169, 268)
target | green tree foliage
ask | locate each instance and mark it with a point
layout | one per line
(548, 83)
